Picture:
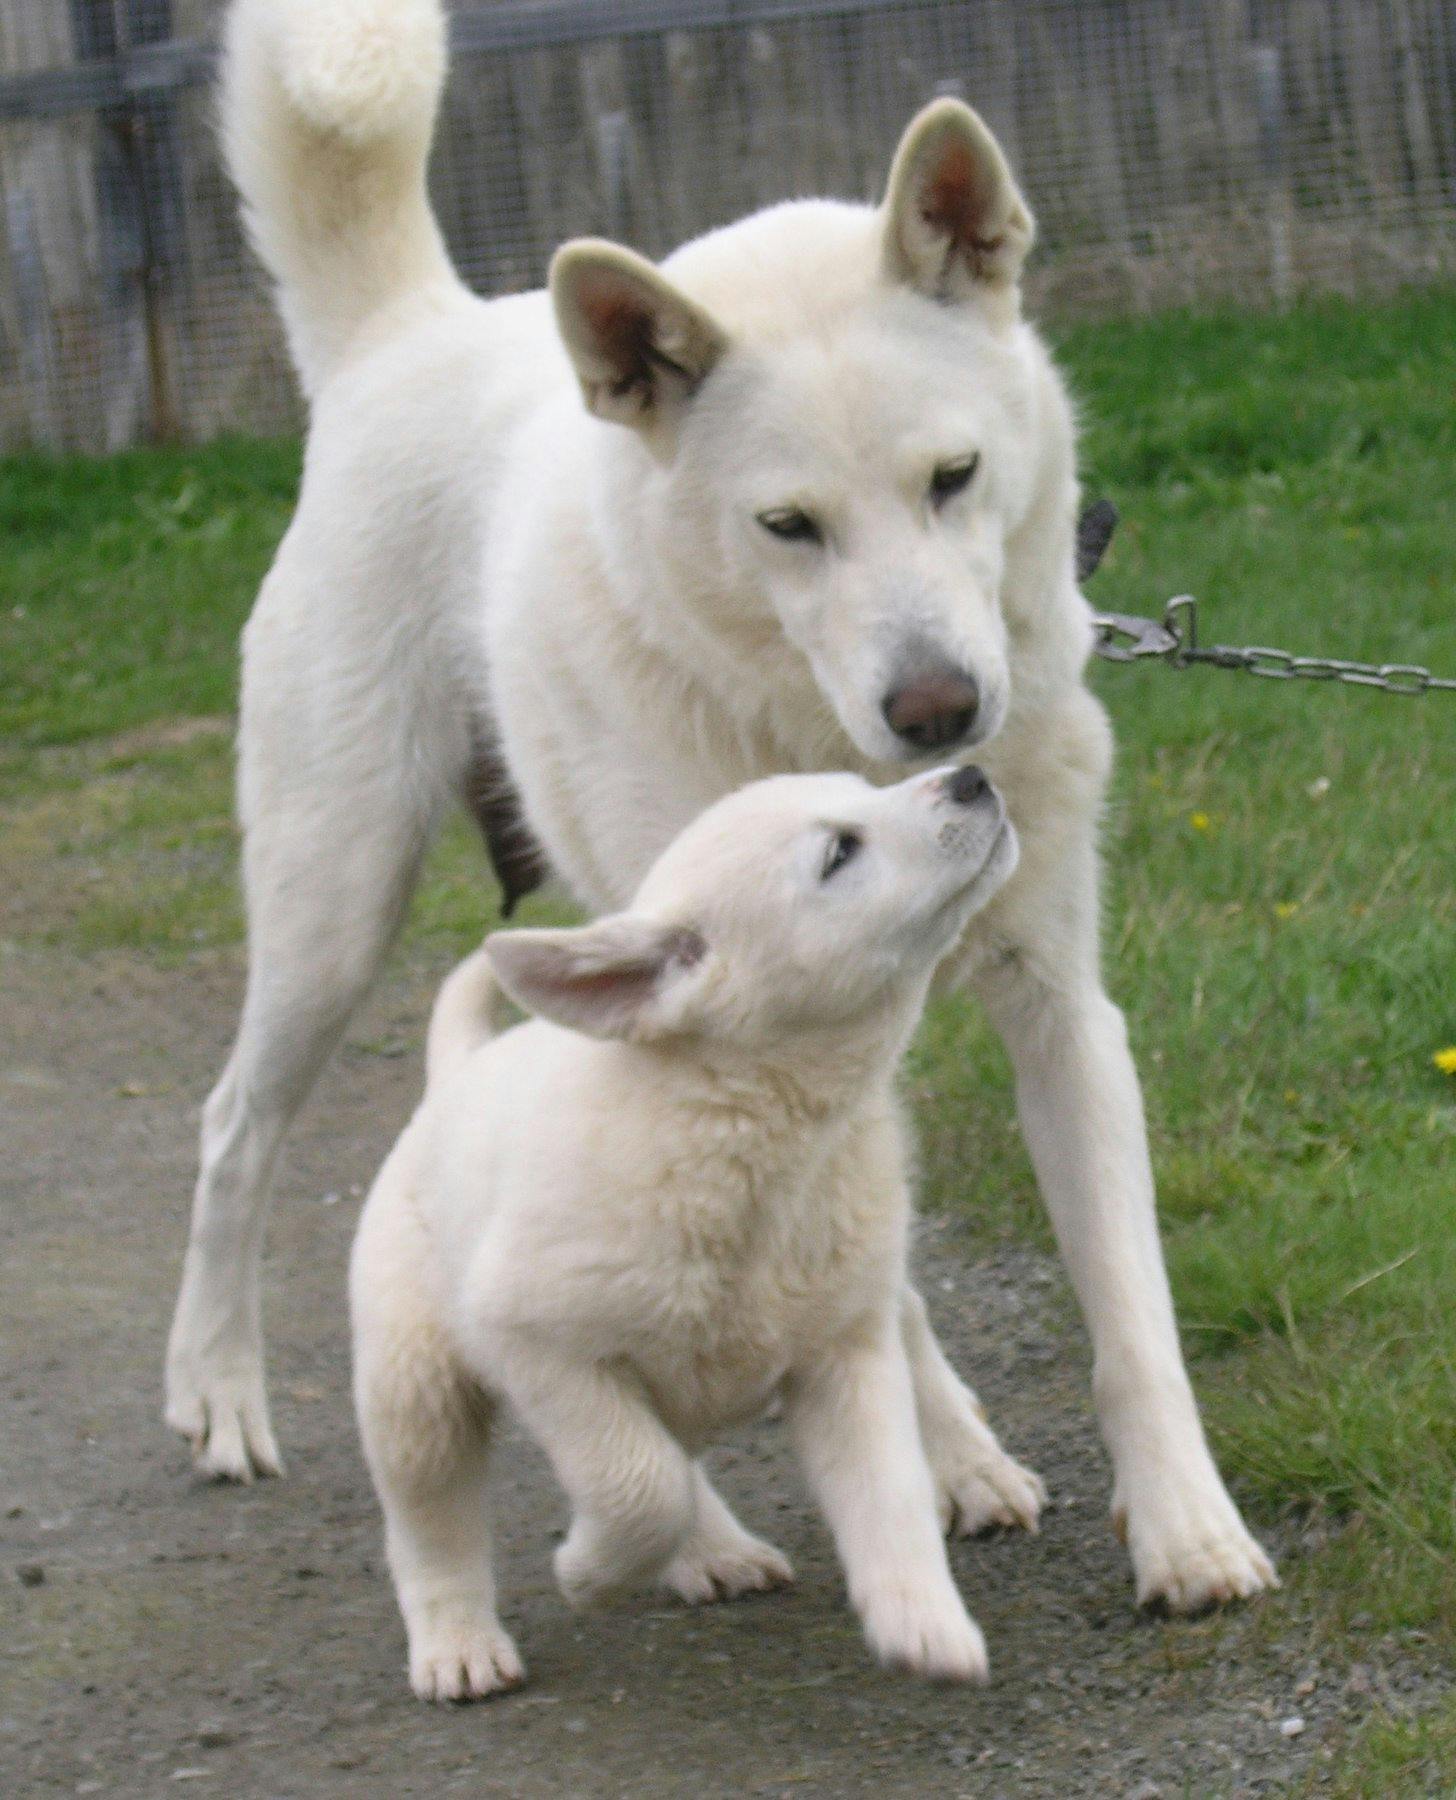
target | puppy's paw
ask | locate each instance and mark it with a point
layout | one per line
(594, 1566)
(463, 1662)
(1190, 1549)
(925, 1630)
(702, 1573)
(982, 1487)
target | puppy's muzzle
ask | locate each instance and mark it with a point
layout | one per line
(967, 785)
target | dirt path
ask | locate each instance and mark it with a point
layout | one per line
(159, 1633)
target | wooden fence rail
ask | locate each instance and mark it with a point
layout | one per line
(1174, 151)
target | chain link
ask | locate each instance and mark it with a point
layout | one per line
(1122, 637)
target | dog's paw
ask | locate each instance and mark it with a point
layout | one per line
(985, 1488)
(463, 1662)
(703, 1573)
(925, 1630)
(1191, 1550)
(593, 1566)
(225, 1419)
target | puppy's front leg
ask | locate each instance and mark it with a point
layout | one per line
(853, 1419)
(631, 1484)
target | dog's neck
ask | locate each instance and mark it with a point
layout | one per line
(785, 1101)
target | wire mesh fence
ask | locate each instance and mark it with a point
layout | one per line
(1175, 152)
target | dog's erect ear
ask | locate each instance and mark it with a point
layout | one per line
(641, 349)
(613, 979)
(954, 220)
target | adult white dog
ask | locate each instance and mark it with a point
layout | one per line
(817, 511)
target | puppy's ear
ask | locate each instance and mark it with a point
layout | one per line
(955, 224)
(613, 979)
(640, 348)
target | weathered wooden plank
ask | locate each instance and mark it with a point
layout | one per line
(49, 225)
(1173, 150)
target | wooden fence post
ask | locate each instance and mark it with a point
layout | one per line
(1268, 71)
(137, 179)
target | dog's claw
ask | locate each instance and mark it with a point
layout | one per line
(931, 1635)
(1200, 1558)
(465, 1664)
(727, 1573)
(987, 1495)
(230, 1434)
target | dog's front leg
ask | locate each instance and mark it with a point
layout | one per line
(853, 1419)
(1082, 1116)
(632, 1486)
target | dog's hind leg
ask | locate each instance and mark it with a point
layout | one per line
(329, 860)
(631, 1485)
(426, 1430)
(977, 1484)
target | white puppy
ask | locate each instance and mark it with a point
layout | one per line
(675, 1194)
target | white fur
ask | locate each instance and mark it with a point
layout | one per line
(472, 546)
(641, 1236)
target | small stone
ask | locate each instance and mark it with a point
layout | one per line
(1146, 1790)
(1361, 1679)
(30, 1574)
(1305, 1688)
(1362, 1621)
(1292, 1728)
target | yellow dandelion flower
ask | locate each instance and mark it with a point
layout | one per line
(1200, 821)
(1445, 1060)
(1285, 909)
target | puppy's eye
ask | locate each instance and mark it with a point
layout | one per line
(952, 478)
(792, 524)
(841, 847)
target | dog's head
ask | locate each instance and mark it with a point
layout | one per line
(843, 418)
(796, 904)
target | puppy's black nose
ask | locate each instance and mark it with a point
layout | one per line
(967, 785)
(933, 709)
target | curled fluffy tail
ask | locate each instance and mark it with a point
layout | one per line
(469, 1010)
(327, 111)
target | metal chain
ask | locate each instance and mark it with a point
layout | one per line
(1122, 637)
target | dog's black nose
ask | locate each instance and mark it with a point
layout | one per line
(934, 709)
(967, 785)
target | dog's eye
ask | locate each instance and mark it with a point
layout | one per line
(952, 478)
(791, 523)
(842, 846)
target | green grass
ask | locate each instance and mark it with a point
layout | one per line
(1281, 907)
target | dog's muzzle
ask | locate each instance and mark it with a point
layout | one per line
(934, 708)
